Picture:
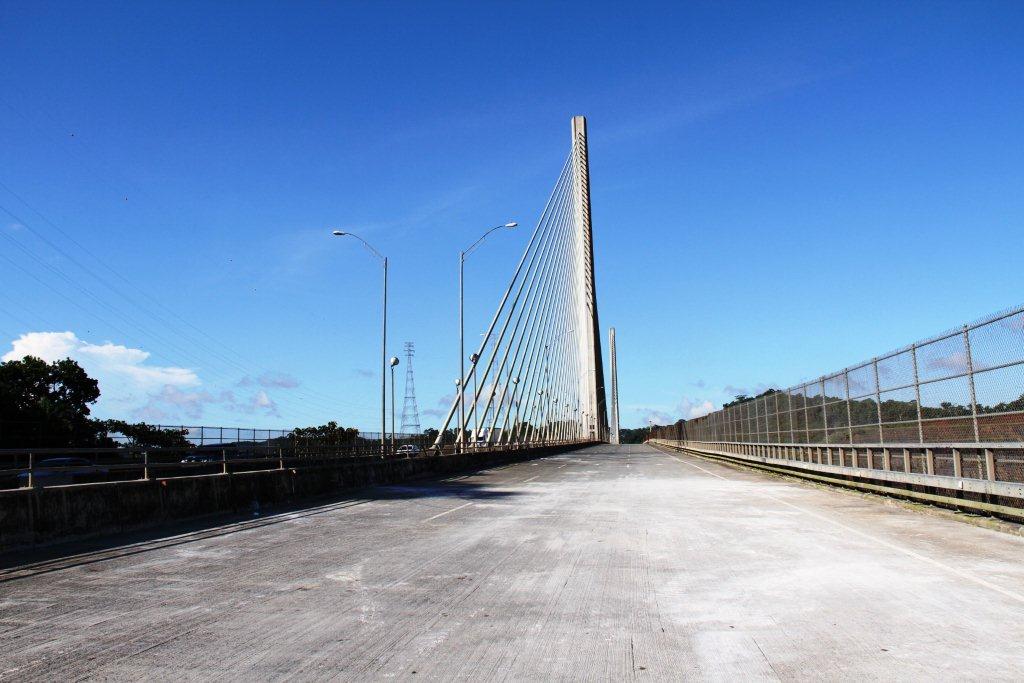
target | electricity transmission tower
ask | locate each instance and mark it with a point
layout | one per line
(410, 413)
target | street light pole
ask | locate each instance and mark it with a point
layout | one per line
(394, 362)
(384, 339)
(458, 437)
(460, 442)
(383, 360)
(462, 333)
(515, 397)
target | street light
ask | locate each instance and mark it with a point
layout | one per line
(473, 358)
(515, 399)
(393, 363)
(462, 351)
(384, 336)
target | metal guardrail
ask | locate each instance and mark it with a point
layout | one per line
(985, 473)
(36, 435)
(27, 468)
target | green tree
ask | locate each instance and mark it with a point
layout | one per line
(47, 405)
(148, 436)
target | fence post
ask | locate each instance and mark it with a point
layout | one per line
(31, 470)
(759, 416)
(280, 458)
(929, 460)
(778, 419)
(917, 394)
(792, 430)
(906, 460)
(223, 461)
(824, 416)
(849, 411)
(878, 400)
(970, 382)
(886, 460)
(990, 464)
(807, 421)
(145, 465)
(958, 464)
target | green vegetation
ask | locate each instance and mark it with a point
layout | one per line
(47, 405)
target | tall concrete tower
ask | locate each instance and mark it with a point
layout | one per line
(592, 380)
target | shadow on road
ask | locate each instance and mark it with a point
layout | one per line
(443, 489)
(65, 555)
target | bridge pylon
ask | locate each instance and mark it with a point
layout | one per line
(537, 376)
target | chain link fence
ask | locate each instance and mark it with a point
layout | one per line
(962, 386)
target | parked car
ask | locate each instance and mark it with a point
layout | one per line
(408, 449)
(66, 471)
(199, 458)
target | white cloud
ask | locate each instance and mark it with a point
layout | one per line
(691, 409)
(658, 417)
(107, 362)
(262, 402)
(687, 409)
(954, 362)
(132, 387)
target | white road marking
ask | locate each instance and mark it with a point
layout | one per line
(442, 514)
(530, 479)
(892, 546)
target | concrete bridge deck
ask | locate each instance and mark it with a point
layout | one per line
(606, 563)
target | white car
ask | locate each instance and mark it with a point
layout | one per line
(407, 449)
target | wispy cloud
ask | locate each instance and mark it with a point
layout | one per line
(698, 109)
(753, 390)
(270, 380)
(173, 403)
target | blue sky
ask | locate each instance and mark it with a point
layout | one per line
(779, 189)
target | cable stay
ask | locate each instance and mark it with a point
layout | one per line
(537, 375)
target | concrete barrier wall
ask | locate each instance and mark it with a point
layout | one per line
(38, 516)
(998, 498)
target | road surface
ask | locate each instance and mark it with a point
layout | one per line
(606, 563)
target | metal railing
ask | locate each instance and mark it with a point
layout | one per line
(989, 462)
(36, 434)
(986, 478)
(965, 385)
(38, 468)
